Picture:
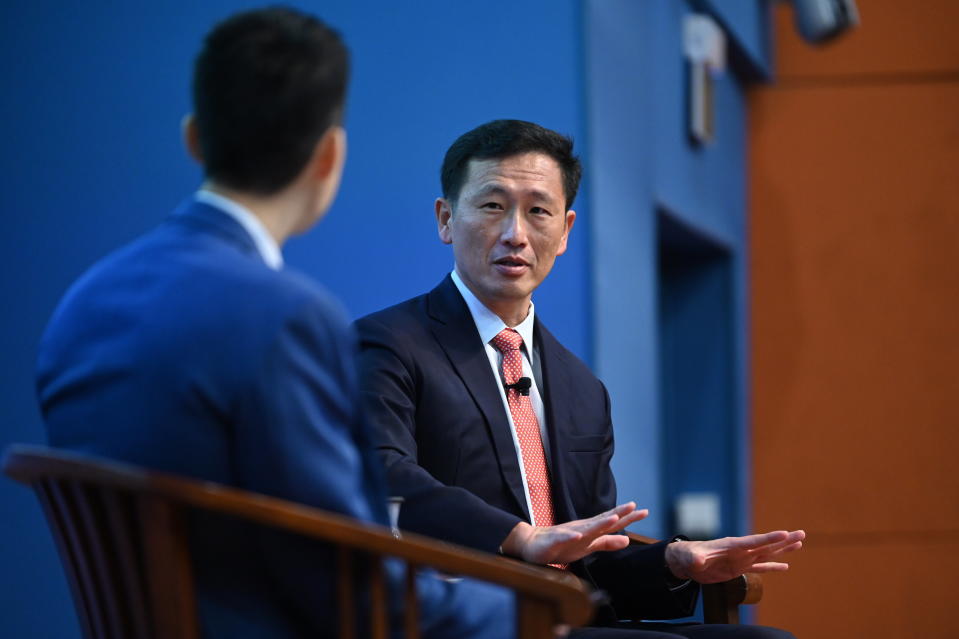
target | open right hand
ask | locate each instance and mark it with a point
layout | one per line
(565, 543)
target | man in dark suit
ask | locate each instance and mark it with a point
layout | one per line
(497, 436)
(194, 351)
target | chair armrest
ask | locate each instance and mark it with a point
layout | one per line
(569, 600)
(720, 601)
(572, 595)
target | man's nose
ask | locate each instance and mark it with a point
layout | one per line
(514, 229)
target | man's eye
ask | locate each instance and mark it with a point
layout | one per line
(538, 210)
(492, 205)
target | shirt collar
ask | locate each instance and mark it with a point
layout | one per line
(266, 246)
(489, 323)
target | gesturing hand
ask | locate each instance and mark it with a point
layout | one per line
(565, 543)
(721, 559)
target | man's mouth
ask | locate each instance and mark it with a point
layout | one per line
(511, 266)
(511, 261)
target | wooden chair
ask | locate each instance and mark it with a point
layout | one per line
(121, 534)
(721, 601)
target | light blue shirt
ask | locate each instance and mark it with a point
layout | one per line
(266, 246)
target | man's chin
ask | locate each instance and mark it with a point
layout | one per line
(514, 291)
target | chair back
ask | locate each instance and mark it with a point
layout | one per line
(122, 537)
(123, 549)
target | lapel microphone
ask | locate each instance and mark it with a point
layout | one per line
(522, 385)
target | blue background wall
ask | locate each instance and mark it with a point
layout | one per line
(93, 158)
(642, 168)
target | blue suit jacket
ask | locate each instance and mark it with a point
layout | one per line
(184, 352)
(444, 436)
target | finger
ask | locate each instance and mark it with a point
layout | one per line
(612, 523)
(623, 522)
(768, 550)
(787, 539)
(794, 544)
(781, 549)
(751, 542)
(557, 535)
(769, 566)
(631, 518)
(789, 544)
(594, 526)
(606, 543)
(611, 520)
(620, 511)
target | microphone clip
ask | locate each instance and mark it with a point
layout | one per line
(522, 386)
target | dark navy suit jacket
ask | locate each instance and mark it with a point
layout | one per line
(184, 352)
(429, 392)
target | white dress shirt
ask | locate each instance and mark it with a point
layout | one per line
(266, 246)
(488, 324)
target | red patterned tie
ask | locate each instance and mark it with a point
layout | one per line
(508, 342)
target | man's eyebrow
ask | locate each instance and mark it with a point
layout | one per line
(496, 189)
(491, 189)
(542, 196)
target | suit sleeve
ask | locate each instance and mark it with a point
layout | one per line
(390, 387)
(636, 581)
(298, 435)
(635, 578)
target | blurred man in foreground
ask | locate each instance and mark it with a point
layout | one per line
(194, 351)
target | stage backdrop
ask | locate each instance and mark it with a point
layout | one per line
(92, 157)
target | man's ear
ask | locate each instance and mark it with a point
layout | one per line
(191, 137)
(570, 218)
(444, 220)
(326, 166)
(330, 154)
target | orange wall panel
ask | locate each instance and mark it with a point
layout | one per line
(856, 313)
(854, 224)
(867, 589)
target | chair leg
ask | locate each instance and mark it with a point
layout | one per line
(535, 619)
(412, 616)
(379, 612)
(346, 593)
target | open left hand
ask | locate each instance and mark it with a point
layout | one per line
(721, 559)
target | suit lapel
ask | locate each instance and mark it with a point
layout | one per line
(454, 329)
(556, 390)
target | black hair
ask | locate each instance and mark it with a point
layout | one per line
(506, 138)
(266, 86)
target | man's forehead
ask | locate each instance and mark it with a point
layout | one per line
(538, 170)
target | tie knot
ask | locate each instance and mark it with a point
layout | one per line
(507, 340)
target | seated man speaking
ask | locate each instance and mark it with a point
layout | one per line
(497, 436)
